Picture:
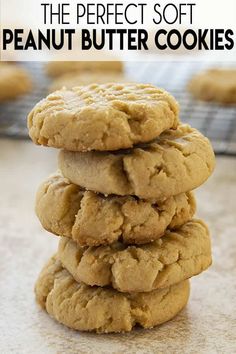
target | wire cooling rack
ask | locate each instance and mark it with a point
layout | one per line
(217, 122)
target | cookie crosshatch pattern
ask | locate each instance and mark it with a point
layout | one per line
(102, 117)
(206, 117)
(155, 171)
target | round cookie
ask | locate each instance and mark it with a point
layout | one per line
(71, 80)
(217, 85)
(102, 117)
(178, 161)
(86, 308)
(59, 68)
(176, 256)
(92, 219)
(14, 81)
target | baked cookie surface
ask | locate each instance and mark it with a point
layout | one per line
(58, 68)
(92, 219)
(102, 117)
(86, 308)
(178, 161)
(14, 81)
(217, 85)
(175, 257)
(73, 79)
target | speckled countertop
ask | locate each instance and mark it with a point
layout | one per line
(207, 325)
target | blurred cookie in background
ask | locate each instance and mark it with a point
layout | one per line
(58, 68)
(218, 85)
(14, 81)
(71, 80)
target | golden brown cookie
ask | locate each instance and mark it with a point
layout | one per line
(58, 68)
(86, 308)
(102, 117)
(14, 81)
(92, 219)
(176, 256)
(178, 161)
(215, 85)
(78, 79)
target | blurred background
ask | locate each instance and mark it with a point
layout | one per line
(216, 121)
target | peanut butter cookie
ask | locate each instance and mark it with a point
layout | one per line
(178, 161)
(14, 81)
(102, 117)
(86, 308)
(215, 85)
(176, 256)
(92, 219)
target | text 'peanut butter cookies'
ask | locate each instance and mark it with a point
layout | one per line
(215, 85)
(173, 258)
(178, 161)
(102, 117)
(86, 308)
(92, 219)
(14, 81)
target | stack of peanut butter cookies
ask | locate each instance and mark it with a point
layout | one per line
(122, 204)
